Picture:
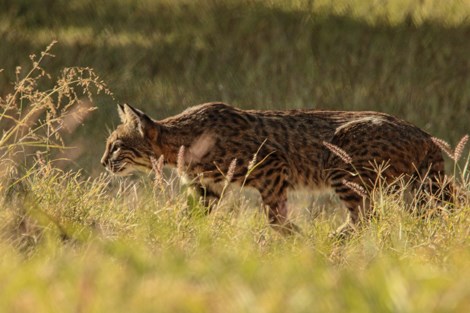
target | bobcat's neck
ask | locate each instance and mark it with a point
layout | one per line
(172, 137)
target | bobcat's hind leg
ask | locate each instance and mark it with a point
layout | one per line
(353, 195)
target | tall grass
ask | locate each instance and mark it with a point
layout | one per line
(34, 117)
(74, 243)
(33, 120)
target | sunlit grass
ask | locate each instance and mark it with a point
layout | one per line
(75, 242)
(137, 250)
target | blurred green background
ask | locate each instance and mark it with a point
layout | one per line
(410, 58)
(73, 244)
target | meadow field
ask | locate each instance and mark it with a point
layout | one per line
(75, 239)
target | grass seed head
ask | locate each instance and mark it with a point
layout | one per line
(157, 167)
(343, 155)
(459, 148)
(355, 187)
(180, 161)
(252, 162)
(444, 146)
(230, 172)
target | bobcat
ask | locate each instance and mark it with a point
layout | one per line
(312, 148)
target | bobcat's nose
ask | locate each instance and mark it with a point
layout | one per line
(103, 162)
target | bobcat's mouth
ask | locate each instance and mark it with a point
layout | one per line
(126, 168)
(119, 169)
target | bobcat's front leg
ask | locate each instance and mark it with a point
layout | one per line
(275, 202)
(208, 194)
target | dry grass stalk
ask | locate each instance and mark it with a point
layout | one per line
(228, 179)
(230, 172)
(444, 146)
(343, 155)
(180, 161)
(459, 148)
(355, 187)
(32, 118)
(157, 167)
(252, 163)
(44, 167)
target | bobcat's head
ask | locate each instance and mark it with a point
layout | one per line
(129, 147)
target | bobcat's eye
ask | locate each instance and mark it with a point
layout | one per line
(115, 147)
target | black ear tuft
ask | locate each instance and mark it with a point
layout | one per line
(139, 120)
(122, 113)
(132, 111)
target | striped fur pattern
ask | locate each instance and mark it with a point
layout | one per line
(291, 148)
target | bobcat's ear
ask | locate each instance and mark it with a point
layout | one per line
(128, 114)
(143, 123)
(131, 115)
(122, 114)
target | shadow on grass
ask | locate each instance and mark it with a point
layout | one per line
(164, 56)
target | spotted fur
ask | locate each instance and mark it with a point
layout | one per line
(289, 147)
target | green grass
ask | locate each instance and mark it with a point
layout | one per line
(73, 240)
(74, 245)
